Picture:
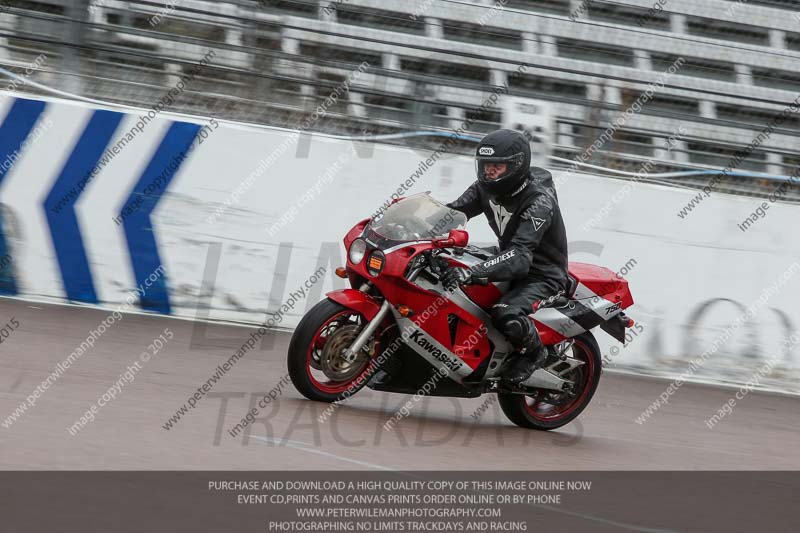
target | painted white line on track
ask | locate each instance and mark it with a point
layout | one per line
(706, 382)
(297, 445)
(54, 302)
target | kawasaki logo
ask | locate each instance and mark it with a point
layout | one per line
(429, 347)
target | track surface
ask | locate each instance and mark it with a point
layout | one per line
(439, 434)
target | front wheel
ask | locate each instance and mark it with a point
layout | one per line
(317, 367)
(547, 410)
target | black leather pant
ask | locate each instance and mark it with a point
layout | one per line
(510, 313)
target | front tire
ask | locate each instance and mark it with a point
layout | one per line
(317, 372)
(549, 410)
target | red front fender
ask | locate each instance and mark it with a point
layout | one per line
(357, 301)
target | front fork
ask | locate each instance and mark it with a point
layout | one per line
(351, 353)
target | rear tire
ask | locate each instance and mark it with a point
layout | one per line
(541, 415)
(313, 331)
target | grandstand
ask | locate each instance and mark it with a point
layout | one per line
(430, 64)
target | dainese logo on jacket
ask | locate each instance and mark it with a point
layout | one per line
(492, 262)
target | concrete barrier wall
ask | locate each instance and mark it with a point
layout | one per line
(227, 221)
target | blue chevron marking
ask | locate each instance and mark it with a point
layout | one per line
(81, 167)
(18, 124)
(139, 230)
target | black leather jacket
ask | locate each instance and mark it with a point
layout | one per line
(529, 227)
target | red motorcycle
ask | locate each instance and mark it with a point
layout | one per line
(398, 330)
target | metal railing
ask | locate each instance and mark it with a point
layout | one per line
(133, 52)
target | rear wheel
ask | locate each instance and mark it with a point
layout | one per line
(317, 367)
(547, 410)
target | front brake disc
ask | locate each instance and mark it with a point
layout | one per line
(332, 361)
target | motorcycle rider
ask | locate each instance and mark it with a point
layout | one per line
(521, 206)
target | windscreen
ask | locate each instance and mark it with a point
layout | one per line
(418, 217)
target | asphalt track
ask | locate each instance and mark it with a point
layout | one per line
(439, 434)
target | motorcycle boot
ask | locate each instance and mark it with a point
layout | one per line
(526, 364)
(531, 352)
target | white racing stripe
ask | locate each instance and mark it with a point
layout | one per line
(558, 322)
(582, 292)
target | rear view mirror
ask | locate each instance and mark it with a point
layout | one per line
(459, 237)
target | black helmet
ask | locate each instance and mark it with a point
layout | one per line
(503, 146)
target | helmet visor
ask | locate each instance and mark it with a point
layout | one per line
(494, 169)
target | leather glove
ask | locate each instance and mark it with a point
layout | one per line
(455, 276)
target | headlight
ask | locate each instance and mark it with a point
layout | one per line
(357, 250)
